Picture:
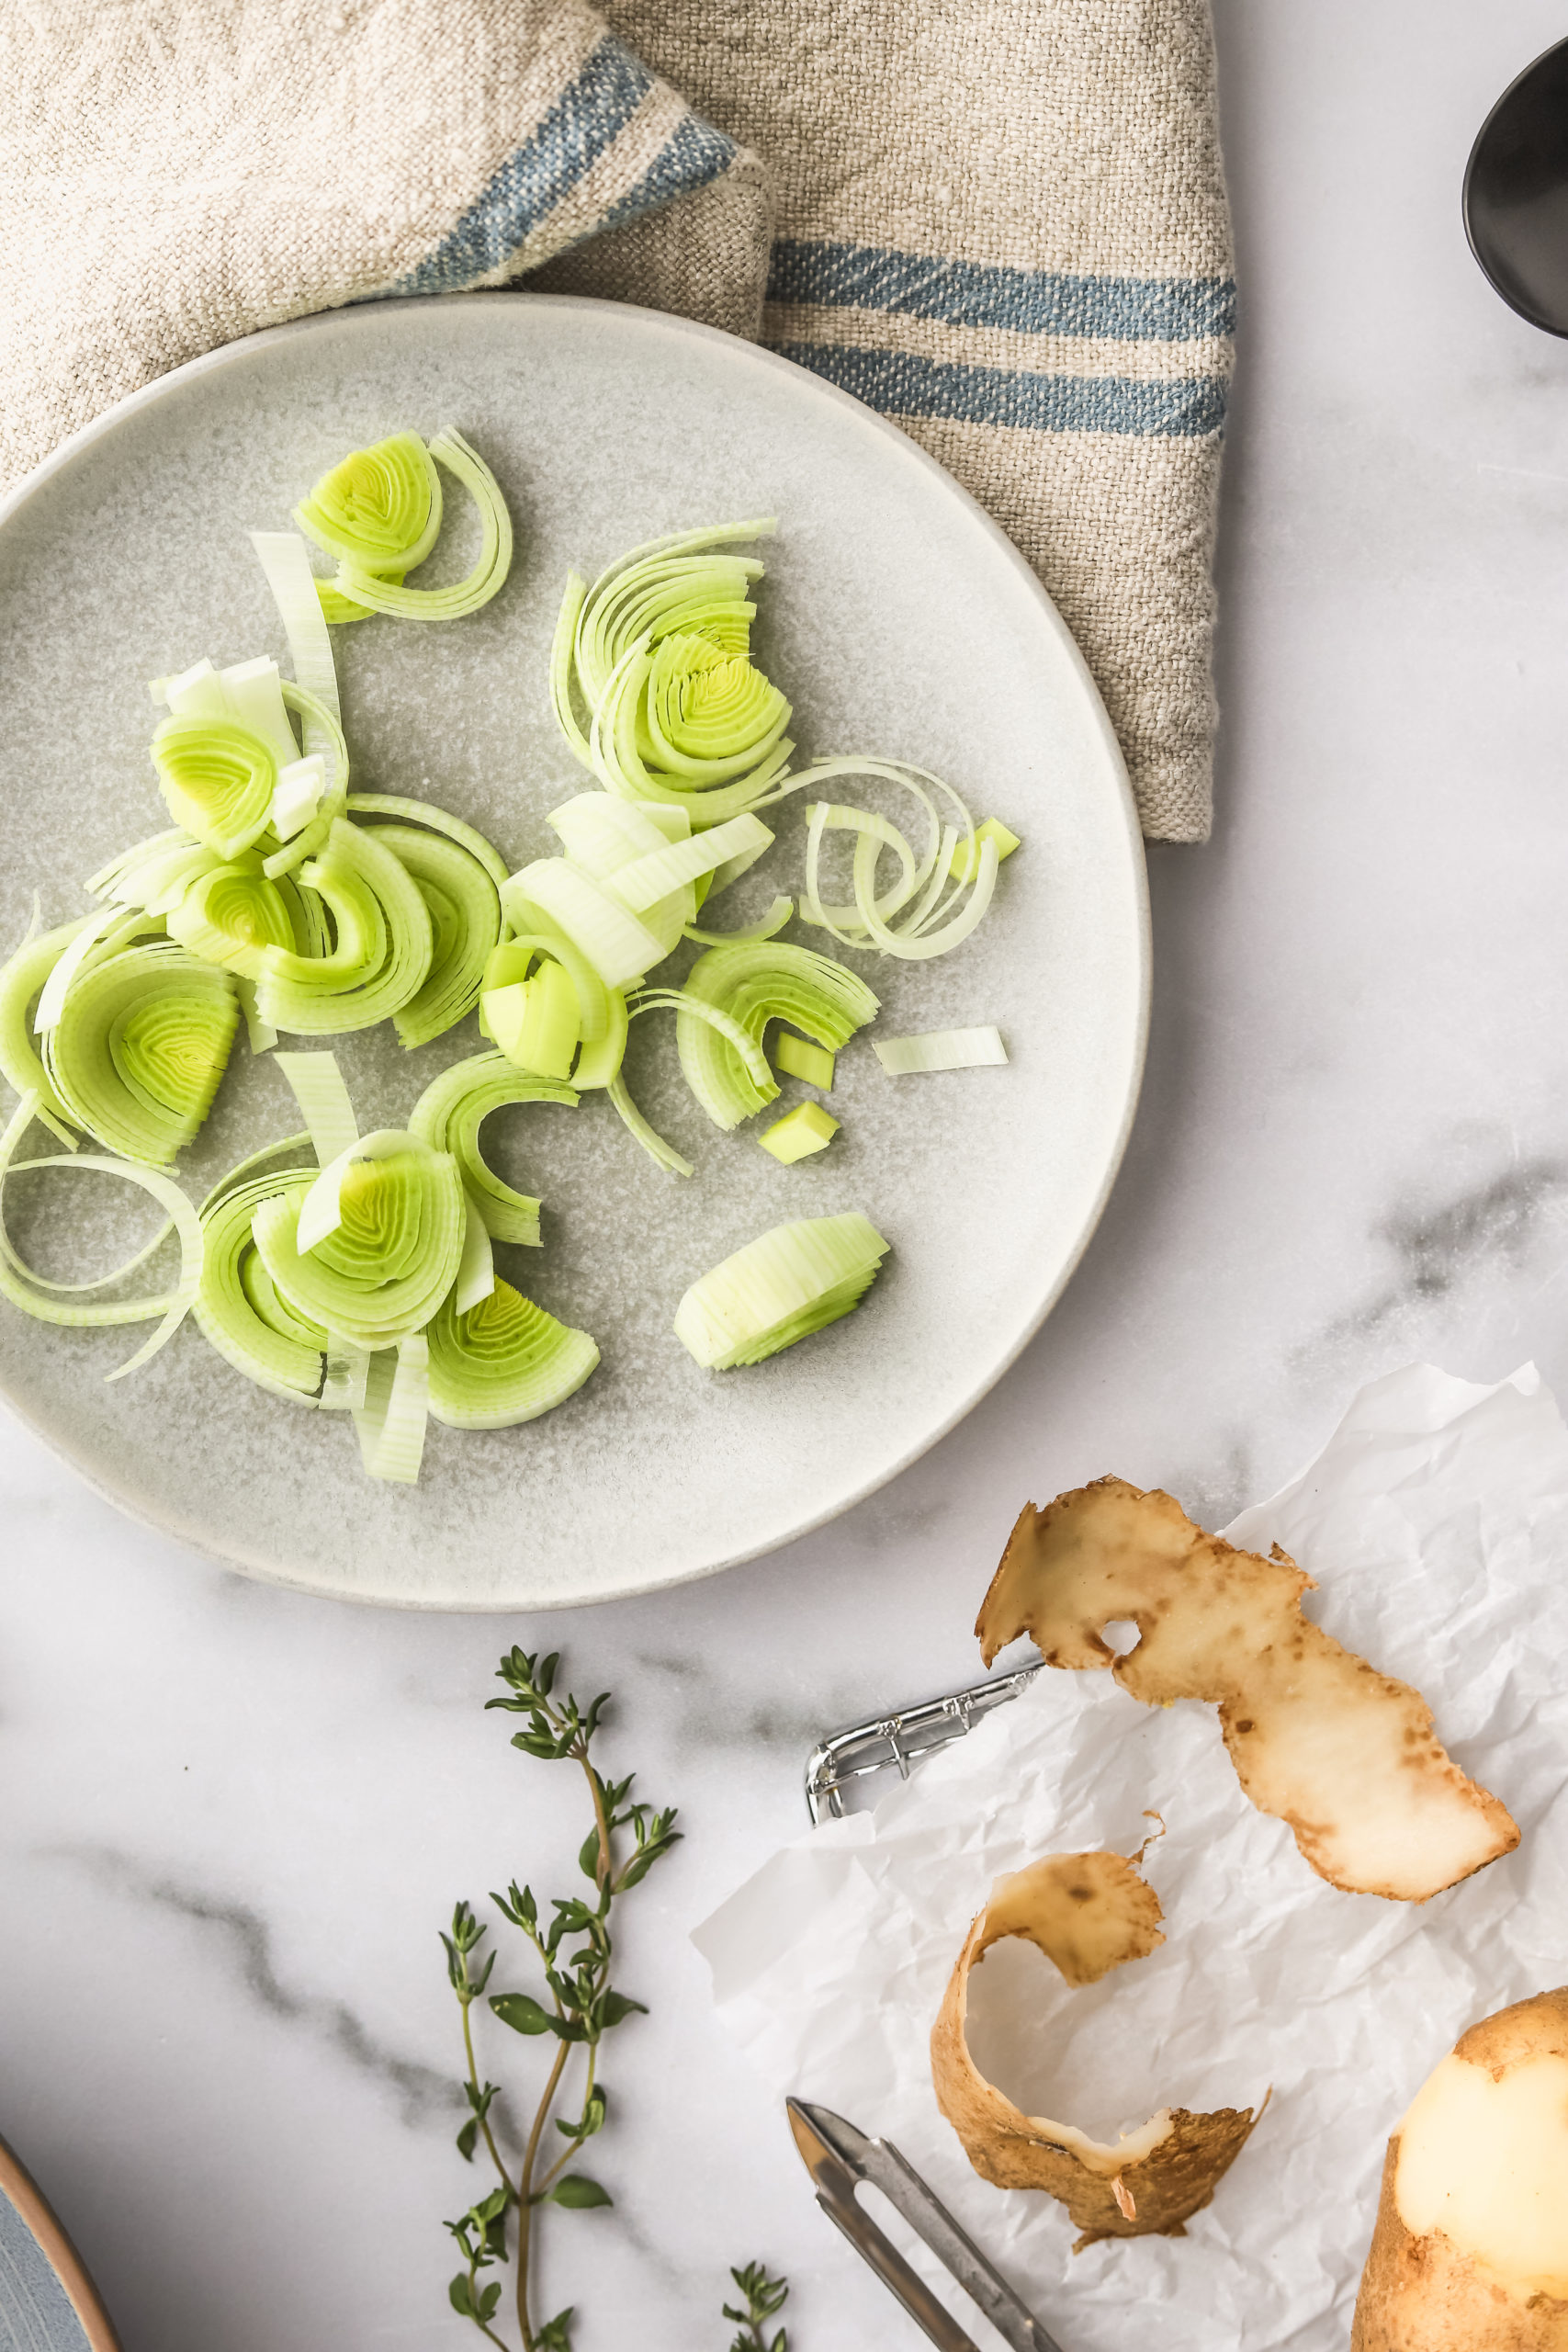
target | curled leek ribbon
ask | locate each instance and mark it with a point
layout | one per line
(652, 682)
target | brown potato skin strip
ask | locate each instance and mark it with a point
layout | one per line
(1226, 1626)
(1425, 2295)
(1012, 2150)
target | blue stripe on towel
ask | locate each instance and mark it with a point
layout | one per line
(899, 384)
(694, 155)
(975, 294)
(588, 117)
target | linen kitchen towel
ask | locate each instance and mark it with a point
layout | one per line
(1001, 222)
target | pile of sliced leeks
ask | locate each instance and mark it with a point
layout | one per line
(355, 1272)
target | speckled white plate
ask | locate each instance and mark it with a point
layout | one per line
(900, 620)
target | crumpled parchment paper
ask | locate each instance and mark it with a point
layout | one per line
(1436, 1520)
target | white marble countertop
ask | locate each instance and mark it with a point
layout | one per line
(234, 1819)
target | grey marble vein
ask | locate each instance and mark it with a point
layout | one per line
(422, 2092)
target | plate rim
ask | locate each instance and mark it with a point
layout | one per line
(228, 355)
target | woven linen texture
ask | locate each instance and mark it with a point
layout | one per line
(1000, 222)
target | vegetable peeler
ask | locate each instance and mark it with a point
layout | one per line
(838, 2158)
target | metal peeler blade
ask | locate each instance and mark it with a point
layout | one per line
(838, 2157)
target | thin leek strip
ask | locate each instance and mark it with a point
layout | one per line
(448, 1116)
(217, 779)
(663, 1154)
(317, 1085)
(438, 820)
(599, 1062)
(936, 918)
(22, 979)
(382, 1266)
(504, 1362)
(753, 986)
(768, 927)
(619, 947)
(391, 1420)
(646, 880)
(247, 1169)
(562, 666)
(940, 1049)
(325, 738)
(236, 1307)
(384, 947)
(698, 1008)
(92, 934)
(781, 1287)
(475, 1268)
(465, 917)
(286, 565)
(24, 1289)
(346, 1377)
(140, 1047)
(493, 563)
(379, 509)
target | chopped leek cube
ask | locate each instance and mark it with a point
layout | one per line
(800, 1131)
(964, 862)
(798, 1057)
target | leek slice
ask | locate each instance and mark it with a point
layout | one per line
(297, 796)
(286, 565)
(475, 1268)
(374, 1245)
(42, 1299)
(513, 959)
(465, 917)
(642, 883)
(800, 1131)
(22, 981)
(534, 1022)
(619, 947)
(796, 1057)
(438, 820)
(504, 1362)
(698, 1010)
(385, 942)
(379, 509)
(769, 927)
(391, 1420)
(156, 875)
(316, 1084)
(603, 837)
(754, 986)
(218, 780)
(231, 914)
(237, 1307)
(363, 586)
(140, 1043)
(448, 1116)
(789, 1282)
(664, 1155)
(705, 697)
(940, 1049)
(651, 679)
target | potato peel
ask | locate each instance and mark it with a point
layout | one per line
(1346, 1756)
(1089, 1914)
(1470, 2248)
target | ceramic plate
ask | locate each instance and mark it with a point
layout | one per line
(900, 621)
(48, 2303)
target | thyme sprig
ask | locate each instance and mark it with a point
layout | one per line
(765, 2298)
(574, 1952)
